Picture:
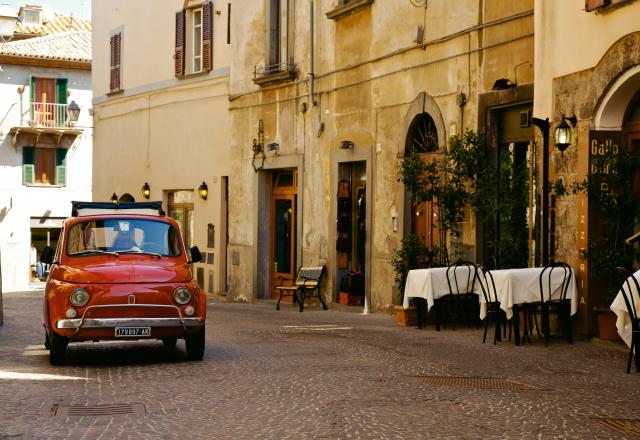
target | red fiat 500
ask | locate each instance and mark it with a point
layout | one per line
(121, 272)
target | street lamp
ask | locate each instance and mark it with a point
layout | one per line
(8, 22)
(543, 125)
(73, 110)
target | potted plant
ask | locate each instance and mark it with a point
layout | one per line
(412, 254)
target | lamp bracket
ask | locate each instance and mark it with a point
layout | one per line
(572, 119)
(258, 147)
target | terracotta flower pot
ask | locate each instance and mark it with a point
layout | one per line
(607, 325)
(406, 317)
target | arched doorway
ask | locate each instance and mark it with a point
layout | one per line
(422, 140)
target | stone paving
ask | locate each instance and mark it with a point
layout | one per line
(318, 374)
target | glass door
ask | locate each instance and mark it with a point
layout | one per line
(283, 232)
(181, 210)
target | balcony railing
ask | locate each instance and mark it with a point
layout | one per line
(44, 114)
(274, 72)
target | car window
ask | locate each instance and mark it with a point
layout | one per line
(123, 235)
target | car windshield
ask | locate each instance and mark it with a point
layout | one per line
(123, 235)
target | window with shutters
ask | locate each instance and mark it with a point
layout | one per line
(194, 32)
(278, 37)
(44, 166)
(279, 64)
(115, 79)
(48, 102)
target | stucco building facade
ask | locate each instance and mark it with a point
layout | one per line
(325, 98)
(587, 66)
(161, 122)
(45, 155)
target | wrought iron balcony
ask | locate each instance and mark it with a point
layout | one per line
(45, 114)
(40, 118)
(285, 71)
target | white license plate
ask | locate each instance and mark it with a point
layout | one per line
(132, 332)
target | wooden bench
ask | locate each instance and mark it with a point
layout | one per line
(306, 284)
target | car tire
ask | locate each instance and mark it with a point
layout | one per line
(169, 342)
(47, 344)
(195, 345)
(58, 349)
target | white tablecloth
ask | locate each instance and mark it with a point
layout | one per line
(513, 286)
(521, 286)
(618, 306)
(431, 284)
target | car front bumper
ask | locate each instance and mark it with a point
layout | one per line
(129, 322)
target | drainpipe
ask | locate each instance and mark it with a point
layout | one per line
(312, 50)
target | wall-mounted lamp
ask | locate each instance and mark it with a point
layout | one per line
(146, 191)
(73, 111)
(258, 148)
(203, 190)
(346, 145)
(274, 146)
(114, 198)
(563, 132)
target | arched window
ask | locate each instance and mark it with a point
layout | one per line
(422, 139)
(423, 135)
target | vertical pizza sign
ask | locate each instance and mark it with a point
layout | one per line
(601, 142)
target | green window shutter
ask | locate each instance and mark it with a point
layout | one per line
(61, 166)
(28, 165)
(61, 99)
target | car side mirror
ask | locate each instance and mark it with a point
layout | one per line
(47, 255)
(196, 257)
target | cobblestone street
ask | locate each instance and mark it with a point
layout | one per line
(318, 374)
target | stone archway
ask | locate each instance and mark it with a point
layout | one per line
(424, 103)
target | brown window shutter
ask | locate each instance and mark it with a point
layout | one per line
(180, 40)
(207, 34)
(116, 45)
(591, 5)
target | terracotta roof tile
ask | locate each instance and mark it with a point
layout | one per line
(68, 46)
(55, 22)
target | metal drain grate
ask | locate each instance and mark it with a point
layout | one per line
(485, 383)
(99, 410)
(625, 426)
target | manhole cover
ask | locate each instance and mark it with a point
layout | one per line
(487, 383)
(99, 410)
(563, 370)
(625, 426)
(320, 328)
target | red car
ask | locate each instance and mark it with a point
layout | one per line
(121, 272)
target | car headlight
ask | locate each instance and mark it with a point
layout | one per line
(182, 295)
(79, 297)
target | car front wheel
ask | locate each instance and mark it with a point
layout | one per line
(58, 349)
(195, 345)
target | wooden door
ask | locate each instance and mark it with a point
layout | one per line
(283, 231)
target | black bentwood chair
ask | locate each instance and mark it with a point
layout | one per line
(494, 313)
(559, 305)
(462, 302)
(626, 279)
